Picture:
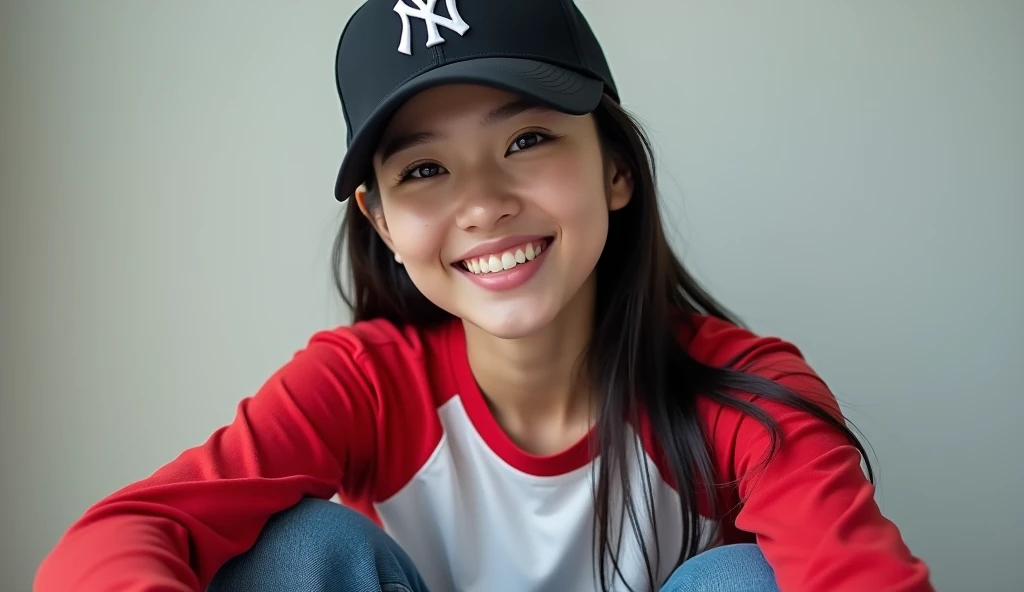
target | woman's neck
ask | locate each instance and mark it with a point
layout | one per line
(534, 385)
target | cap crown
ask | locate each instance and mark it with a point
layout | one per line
(389, 42)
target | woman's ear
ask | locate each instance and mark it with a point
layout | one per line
(360, 197)
(376, 218)
(619, 180)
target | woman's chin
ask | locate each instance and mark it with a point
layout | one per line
(509, 322)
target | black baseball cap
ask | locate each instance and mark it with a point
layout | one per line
(391, 50)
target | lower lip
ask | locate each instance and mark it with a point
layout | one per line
(508, 278)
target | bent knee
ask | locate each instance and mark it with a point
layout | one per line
(312, 542)
(317, 526)
(730, 567)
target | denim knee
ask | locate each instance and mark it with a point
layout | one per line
(730, 568)
(320, 546)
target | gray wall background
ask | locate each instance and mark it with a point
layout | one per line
(849, 175)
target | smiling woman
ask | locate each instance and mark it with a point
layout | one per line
(534, 394)
(473, 172)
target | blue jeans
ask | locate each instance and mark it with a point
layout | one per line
(321, 546)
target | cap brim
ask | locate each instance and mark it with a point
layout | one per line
(558, 88)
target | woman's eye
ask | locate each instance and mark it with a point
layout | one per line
(527, 140)
(423, 171)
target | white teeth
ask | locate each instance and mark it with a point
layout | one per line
(506, 260)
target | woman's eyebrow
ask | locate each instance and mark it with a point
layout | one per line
(510, 110)
(400, 142)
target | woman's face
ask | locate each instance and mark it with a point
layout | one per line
(497, 208)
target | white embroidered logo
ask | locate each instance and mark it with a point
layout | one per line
(425, 10)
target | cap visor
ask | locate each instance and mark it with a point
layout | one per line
(558, 88)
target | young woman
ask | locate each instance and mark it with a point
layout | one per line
(534, 395)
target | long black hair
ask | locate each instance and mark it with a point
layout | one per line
(635, 357)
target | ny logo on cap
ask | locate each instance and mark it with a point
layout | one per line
(425, 10)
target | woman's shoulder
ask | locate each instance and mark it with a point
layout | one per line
(381, 356)
(719, 343)
(722, 344)
(377, 340)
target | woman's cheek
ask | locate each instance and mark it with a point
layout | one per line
(569, 189)
(420, 244)
(417, 233)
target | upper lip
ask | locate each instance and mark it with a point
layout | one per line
(500, 245)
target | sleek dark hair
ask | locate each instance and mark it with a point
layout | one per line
(635, 356)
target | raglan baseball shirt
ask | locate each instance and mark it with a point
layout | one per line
(391, 419)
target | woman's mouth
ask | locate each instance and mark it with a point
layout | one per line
(506, 259)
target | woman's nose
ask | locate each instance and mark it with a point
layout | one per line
(485, 203)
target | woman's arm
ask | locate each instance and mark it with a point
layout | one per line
(811, 508)
(309, 427)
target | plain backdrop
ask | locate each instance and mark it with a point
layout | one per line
(848, 175)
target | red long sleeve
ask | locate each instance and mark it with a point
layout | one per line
(309, 426)
(393, 420)
(811, 509)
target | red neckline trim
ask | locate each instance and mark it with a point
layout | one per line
(575, 457)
